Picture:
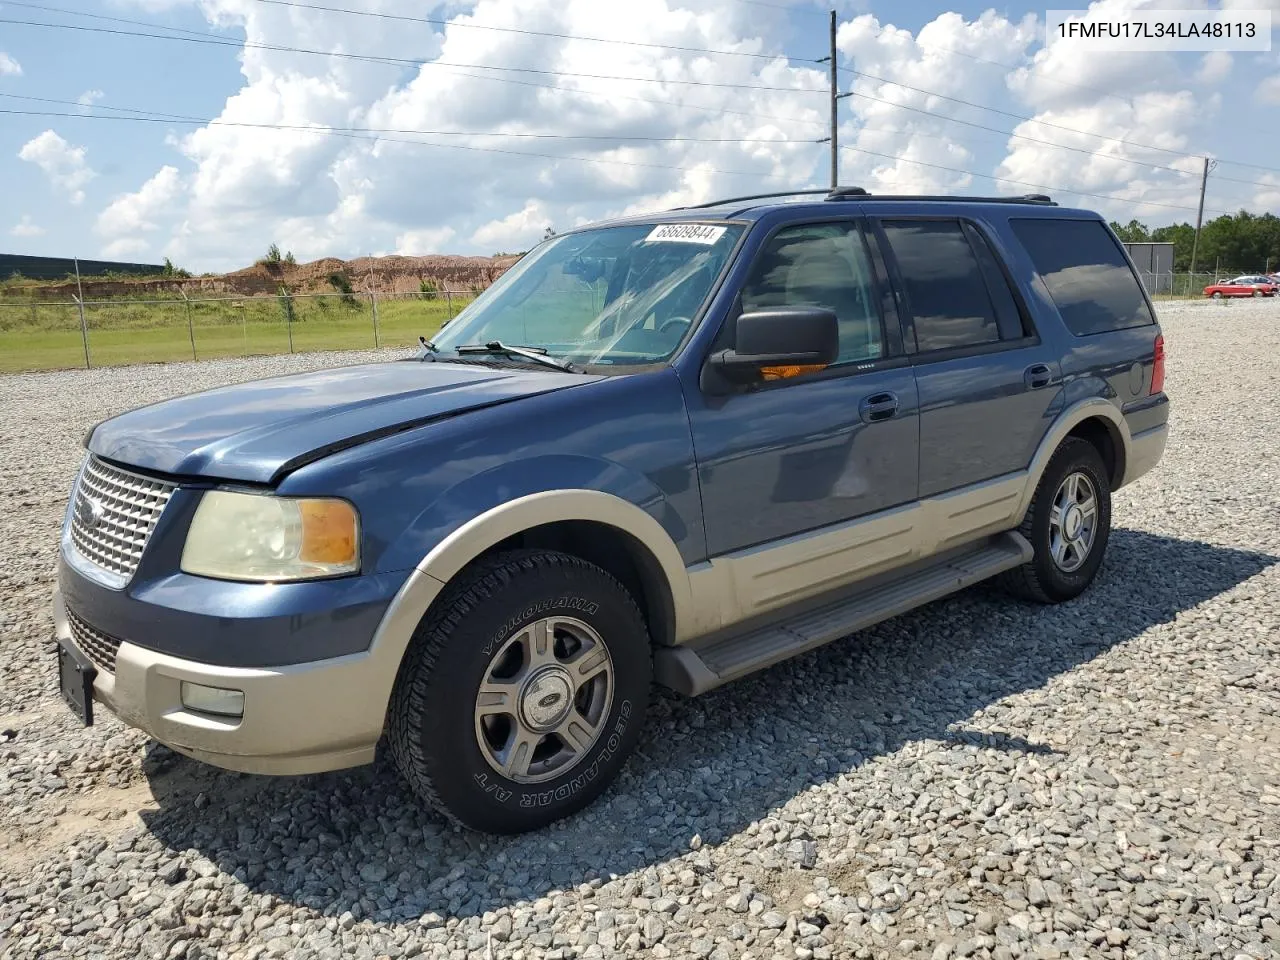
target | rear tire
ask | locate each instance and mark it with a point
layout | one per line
(1068, 525)
(1257, 293)
(522, 692)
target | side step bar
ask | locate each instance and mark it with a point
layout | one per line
(695, 669)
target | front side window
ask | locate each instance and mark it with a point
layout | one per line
(946, 291)
(821, 265)
(1086, 274)
(614, 295)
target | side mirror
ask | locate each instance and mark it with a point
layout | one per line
(779, 337)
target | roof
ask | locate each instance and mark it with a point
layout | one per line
(820, 201)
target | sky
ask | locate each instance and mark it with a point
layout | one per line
(363, 130)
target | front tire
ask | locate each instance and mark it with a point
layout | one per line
(522, 693)
(1068, 524)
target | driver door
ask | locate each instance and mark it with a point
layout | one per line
(797, 458)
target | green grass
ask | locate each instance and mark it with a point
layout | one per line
(48, 336)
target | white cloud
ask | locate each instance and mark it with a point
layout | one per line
(26, 228)
(88, 99)
(61, 162)
(1268, 91)
(518, 231)
(1214, 67)
(133, 213)
(125, 248)
(9, 67)
(491, 189)
(420, 242)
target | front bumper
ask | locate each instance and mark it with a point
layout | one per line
(298, 718)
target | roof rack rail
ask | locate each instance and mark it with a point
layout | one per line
(859, 193)
(753, 196)
(843, 193)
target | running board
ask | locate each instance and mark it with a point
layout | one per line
(692, 670)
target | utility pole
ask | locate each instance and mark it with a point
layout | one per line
(1204, 182)
(836, 97)
(835, 120)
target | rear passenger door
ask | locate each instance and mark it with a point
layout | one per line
(986, 381)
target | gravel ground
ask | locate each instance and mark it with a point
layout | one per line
(978, 778)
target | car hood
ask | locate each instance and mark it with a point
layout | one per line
(259, 431)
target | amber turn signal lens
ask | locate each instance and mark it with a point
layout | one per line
(329, 531)
(781, 373)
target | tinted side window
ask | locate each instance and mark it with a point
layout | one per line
(821, 265)
(1086, 274)
(1008, 316)
(945, 290)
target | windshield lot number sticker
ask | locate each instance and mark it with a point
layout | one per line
(685, 233)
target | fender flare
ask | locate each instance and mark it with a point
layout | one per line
(447, 558)
(1068, 420)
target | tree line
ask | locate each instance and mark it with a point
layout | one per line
(1240, 241)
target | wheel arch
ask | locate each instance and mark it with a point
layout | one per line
(590, 521)
(1095, 420)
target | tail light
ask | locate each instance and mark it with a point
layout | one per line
(1157, 369)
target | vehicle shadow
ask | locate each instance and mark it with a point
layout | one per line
(358, 841)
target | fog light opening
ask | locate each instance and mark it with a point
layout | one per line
(214, 700)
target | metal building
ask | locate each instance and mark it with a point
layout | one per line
(1155, 265)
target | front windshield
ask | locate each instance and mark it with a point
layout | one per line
(614, 295)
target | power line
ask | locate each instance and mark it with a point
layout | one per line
(430, 21)
(363, 133)
(529, 33)
(1008, 113)
(1048, 143)
(353, 134)
(398, 61)
(1015, 136)
(1024, 183)
(154, 117)
(1012, 66)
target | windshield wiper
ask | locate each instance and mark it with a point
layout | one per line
(536, 354)
(430, 348)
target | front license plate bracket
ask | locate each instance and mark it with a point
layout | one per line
(75, 681)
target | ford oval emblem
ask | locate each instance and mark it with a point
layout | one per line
(90, 512)
(550, 700)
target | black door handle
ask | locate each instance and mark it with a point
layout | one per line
(878, 406)
(1038, 375)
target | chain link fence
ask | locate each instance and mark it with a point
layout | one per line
(1184, 286)
(51, 335)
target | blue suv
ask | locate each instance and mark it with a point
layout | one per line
(675, 448)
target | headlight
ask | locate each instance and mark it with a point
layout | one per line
(244, 536)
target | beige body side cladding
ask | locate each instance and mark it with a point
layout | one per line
(764, 579)
(330, 714)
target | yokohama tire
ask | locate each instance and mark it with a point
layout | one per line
(1044, 579)
(435, 716)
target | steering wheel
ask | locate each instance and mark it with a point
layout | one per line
(675, 322)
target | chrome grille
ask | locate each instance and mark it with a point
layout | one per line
(98, 647)
(113, 515)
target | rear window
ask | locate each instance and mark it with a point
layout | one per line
(1086, 273)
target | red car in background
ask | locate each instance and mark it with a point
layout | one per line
(1247, 286)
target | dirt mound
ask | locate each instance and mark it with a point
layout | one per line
(382, 275)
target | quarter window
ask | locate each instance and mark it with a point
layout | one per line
(1086, 273)
(821, 265)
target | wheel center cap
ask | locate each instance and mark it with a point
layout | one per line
(547, 699)
(1072, 521)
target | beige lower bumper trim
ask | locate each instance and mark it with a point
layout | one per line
(300, 718)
